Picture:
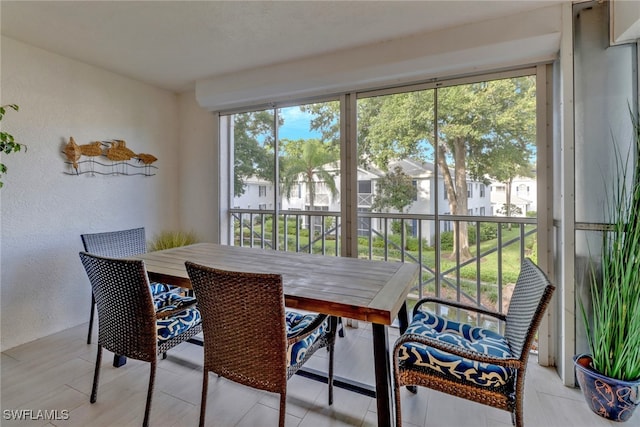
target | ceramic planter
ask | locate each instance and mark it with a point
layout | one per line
(610, 398)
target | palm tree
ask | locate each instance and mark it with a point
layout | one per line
(306, 160)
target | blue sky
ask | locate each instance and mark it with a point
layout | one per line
(296, 124)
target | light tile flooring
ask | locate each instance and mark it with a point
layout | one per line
(55, 374)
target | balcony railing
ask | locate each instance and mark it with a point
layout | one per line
(483, 277)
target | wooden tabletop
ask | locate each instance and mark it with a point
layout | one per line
(371, 291)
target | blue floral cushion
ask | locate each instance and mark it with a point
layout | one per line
(160, 288)
(469, 337)
(171, 301)
(172, 326)
(294, 323)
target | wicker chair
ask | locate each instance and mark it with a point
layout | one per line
(249, 338)
(130, 322)
(468, 361)
(118, 244)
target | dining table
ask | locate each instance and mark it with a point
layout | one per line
(359, 289)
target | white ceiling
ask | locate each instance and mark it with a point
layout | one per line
(171, 44)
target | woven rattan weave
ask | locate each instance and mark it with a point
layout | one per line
(245, 339)
(115, 244)
(127, 316)
(530, 298)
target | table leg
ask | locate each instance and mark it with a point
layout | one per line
(383, 374)
(403, 318)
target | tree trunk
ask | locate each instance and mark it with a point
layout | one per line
(508, 200)
(457, 196)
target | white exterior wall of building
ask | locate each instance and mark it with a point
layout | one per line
(254, 197)
(523, 196)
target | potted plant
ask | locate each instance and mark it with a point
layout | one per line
(8, 144)
(610, 376)
(172, 239)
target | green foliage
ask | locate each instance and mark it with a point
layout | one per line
(488, 231)
(613, 335)
(484, 129)
(395, 241)
(253, 135)
(172, 239)
(446, 240)
(394, 190)
(306, 161)
(8, 143)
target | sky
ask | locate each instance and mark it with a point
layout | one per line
(296, 124)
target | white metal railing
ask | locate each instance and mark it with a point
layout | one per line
(484, 278)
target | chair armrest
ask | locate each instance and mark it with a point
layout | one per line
(457, 304)
(509, 362)
(305, 332)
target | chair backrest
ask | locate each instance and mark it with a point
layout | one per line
(116, 244)
(529, 300)
(243, 321)
(126, 315)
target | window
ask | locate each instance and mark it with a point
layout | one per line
(271, 149)
(364, 223)
(364, 186)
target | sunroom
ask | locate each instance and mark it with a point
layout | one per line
(309, 127)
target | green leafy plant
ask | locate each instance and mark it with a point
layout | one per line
(613, 333)
(172, 239)
(8, 144)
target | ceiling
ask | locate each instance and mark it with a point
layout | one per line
(171, 44)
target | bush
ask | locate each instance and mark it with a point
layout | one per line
(488, 231)
(446, 240)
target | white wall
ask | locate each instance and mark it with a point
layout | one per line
(43, 286)
(198, 190)
(524, 38)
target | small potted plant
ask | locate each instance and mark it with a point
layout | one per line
(610, 375)
(172, 239)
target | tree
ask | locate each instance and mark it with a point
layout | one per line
(475, 123)
(253, 135)
(394, 190)
(306, 160)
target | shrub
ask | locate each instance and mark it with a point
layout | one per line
(488, 231)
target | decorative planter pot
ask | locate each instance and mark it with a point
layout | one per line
(610, 398)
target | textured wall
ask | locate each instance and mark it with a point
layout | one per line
(43, 286)
(199, 169)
